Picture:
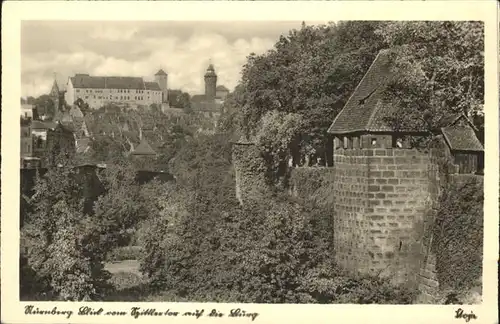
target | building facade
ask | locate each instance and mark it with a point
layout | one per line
(98, 91)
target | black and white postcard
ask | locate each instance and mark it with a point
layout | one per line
(250, 162)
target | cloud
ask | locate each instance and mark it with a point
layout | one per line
(182, 49)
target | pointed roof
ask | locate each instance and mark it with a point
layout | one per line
(161, 72)
(55, 88)
(210, 70)
(460, 134)
(364, 111)
(143, 149)
(455, 119)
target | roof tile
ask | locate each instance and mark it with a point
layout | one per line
(364, 110)
(462, 138)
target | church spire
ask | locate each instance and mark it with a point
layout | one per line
(55, 88)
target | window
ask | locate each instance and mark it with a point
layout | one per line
(374, 141)
(77, 90)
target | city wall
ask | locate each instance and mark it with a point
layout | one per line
(383, 203)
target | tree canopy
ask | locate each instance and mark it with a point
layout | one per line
(314, 70)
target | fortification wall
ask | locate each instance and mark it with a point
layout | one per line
(249, 170)
(382, 198)
(383, 203)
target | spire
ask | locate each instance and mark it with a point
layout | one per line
(55, 88)
(210, 66)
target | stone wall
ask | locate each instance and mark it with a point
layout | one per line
(382, 203)
(382, 198)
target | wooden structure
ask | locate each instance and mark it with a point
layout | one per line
(465, 149)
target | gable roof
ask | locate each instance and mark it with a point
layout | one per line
(75, 112)
(461, 138)
(364, 111)
(143, 149)
(455, 119)
(222, 88)
(152, 86)
(96, 82)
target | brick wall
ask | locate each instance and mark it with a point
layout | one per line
(351, 228)
(382, 196)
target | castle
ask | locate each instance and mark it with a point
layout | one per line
(98, 91)
(383, 191)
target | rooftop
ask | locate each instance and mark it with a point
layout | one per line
(84, 81)
(462, 138)
(161, 72)
(143, 149)
(364, 111)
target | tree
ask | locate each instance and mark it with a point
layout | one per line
(63, 241)
(275, 137)
(441, 72)
(82, 105)
(179, 99)
(312, 72)
(45, 106)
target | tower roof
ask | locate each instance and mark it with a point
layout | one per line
(55, 88)
(364, 111)
(210, 70)
(143, 149)
(161, 72)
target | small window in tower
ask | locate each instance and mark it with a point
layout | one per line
(374, 142)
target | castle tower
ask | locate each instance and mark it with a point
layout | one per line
(162, 79)
(210, 83)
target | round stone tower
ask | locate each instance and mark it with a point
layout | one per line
(162, 79)
(210, 83)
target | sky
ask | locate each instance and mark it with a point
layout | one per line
(183, 49)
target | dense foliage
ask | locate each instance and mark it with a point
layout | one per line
(197, 242)
(66, 243)
(313, 71)
(459, 223)
(441, 69)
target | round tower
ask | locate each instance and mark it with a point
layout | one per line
(210, 83)
(162, 79)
